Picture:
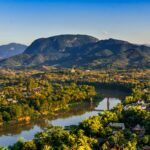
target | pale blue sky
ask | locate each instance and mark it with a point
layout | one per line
(26, 20)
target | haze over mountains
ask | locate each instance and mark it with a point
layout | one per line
(81, 51)
(11, 49)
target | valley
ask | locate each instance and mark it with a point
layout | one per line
(39, 100)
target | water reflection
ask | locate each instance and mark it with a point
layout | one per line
(73, 120)
(9, 135)
(107, 104)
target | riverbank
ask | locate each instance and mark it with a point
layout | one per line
(70, 109)
(10, 134)
(54, 115)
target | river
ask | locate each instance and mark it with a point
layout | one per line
(10, 134)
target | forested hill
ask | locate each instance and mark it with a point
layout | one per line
(82, 51)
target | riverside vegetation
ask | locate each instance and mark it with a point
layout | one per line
(32, 97)
(46, 90)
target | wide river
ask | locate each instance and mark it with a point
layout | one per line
(10, 134)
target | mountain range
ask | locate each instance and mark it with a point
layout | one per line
(81, 51)
(11, 49)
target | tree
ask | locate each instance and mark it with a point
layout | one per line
(30, 145)
(146, 139)
(6, 116)
(2, 148)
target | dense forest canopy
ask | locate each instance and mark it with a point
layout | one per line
(45, 91)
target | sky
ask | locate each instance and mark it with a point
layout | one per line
(23, 21)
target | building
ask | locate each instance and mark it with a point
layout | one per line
(140, 102)
(117, 125)
(139, 130)
(37, 89)
(2, 95)
(12, 101)
(146, 147)
(73, 70)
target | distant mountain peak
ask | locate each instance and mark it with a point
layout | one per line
(115, 41)
(59, 43)
(11, 49)
(81, 51)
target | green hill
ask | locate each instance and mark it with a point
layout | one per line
(81, 51)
